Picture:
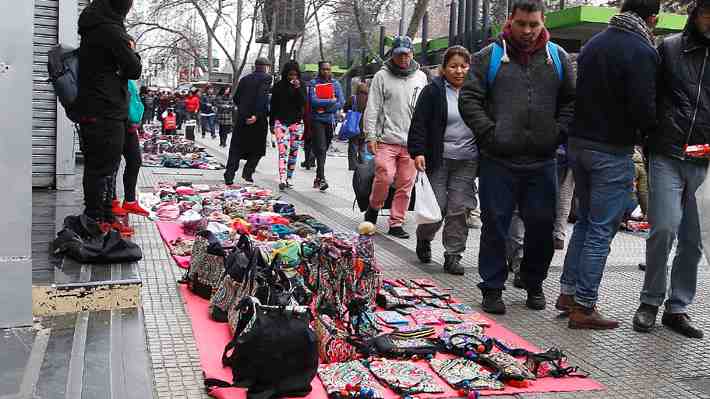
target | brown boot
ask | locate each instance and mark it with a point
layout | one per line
(583, 318)
(564, 303)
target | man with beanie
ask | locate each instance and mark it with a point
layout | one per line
(108, 60)
(683, 119)
(251, 125)
(616, 100)
(520, 112)
(390, 106)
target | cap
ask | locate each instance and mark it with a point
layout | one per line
(262, 61)
(402, 44)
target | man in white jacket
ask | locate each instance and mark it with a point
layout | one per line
(393, 95)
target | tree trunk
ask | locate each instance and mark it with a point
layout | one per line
(419, 10)
(364, 38)
(246, 50)
(237, 42)
(320, 38)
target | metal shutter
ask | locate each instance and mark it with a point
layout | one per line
(44, 102)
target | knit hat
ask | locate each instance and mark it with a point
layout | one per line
(262, 61)
(402, 44)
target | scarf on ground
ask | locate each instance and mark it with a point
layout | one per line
(631, 22)
(520, 53)
(402, 72)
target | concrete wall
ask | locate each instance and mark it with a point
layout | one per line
(16, 162)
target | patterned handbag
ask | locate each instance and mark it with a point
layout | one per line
(206, 265)
(231, 288)
(334, 341)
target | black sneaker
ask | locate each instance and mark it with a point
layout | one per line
(398, 232)
(493, 302)
(323, 185)
(371, 215)
(424, 251)
(680, 323)
(248, 179)
(536, 300)
(645, 318)
(452, 265)
(316, 183)
(283, 186)
(518, 282)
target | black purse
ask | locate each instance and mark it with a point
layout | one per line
(274, 352)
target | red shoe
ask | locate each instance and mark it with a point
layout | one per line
(124, 230)
(135, 208)
(116, 208)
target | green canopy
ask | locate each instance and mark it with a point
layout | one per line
(313, 68)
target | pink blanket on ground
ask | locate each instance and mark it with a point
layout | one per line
(169, 231)
(212, 337)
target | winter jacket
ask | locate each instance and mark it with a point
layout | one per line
(526, 113)
(331, 107)
(616, 92)
(208, 105)
(683, 95)
(224, 110)
(192, 103)
(426, 133)
(390, 106)
(107, 63)
(252, 96)
(287, 102)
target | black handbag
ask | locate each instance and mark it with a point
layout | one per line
(274, 352)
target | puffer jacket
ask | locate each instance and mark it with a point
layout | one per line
(684, 95)
(526, 114)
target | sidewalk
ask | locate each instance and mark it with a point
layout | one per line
(660, 364)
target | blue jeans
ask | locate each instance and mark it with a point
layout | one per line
(534, 193)
(604, 183)
(673, 211)
(209, 124)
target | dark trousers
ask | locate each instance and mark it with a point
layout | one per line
(309, 158)
(322, 135)
(354, 152)
(235, 157)
(534, 192)
(132, 155)
(102, 145)
(224, 131)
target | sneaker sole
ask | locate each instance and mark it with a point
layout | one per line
(492, 311)
(642, 329)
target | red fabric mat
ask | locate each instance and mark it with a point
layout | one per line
(169, 231)
(212, 337)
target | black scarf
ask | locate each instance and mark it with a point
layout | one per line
(631, 22)
(402, 72)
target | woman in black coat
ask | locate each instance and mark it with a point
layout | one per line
(444, 147)
(288, 99)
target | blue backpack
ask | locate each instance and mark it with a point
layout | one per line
(497, 56)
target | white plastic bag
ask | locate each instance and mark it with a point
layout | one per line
(426, 208)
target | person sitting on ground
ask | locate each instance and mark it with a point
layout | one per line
(390, 106)
(445, 148)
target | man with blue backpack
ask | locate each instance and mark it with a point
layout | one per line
(519, 101)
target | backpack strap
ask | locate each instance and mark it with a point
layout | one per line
(494, 64)
(554, 52)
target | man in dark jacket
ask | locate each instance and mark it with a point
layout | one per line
(251, 125)
(684, 119)
(616, 97)
(518, 137)
(108, 61)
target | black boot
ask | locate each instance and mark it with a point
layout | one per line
(424, 251)
(493, 301)
(398, 232)
(452, 265)
(680, 323)
(645, 317)
(536, 300)
(371, 215)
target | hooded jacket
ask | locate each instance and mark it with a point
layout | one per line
(330, 107)
(287, 102)
(390, 105)
(683, 92)
(106, 60)
(525, 114)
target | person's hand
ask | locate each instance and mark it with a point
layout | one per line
(420, 163)
(372, 147)
(251, 120)
(132, 44)
(296, 83)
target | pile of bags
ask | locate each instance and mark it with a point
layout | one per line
(170, 151)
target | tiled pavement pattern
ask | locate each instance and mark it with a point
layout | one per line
(631, 365)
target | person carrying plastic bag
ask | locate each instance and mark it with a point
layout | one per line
(444, 147)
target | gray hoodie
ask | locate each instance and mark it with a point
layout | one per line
(390, 106)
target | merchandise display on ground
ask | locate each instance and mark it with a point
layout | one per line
(174, 151)
(260, 276)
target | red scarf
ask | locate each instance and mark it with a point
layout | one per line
(523, 54)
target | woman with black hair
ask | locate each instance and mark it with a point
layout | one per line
(288, 98)
(224, 114)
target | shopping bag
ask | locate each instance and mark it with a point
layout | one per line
(351, 125)
(426, 210)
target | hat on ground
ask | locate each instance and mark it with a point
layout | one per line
(262, 61)
(402, 44)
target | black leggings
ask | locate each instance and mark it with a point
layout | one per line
(132, 155)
